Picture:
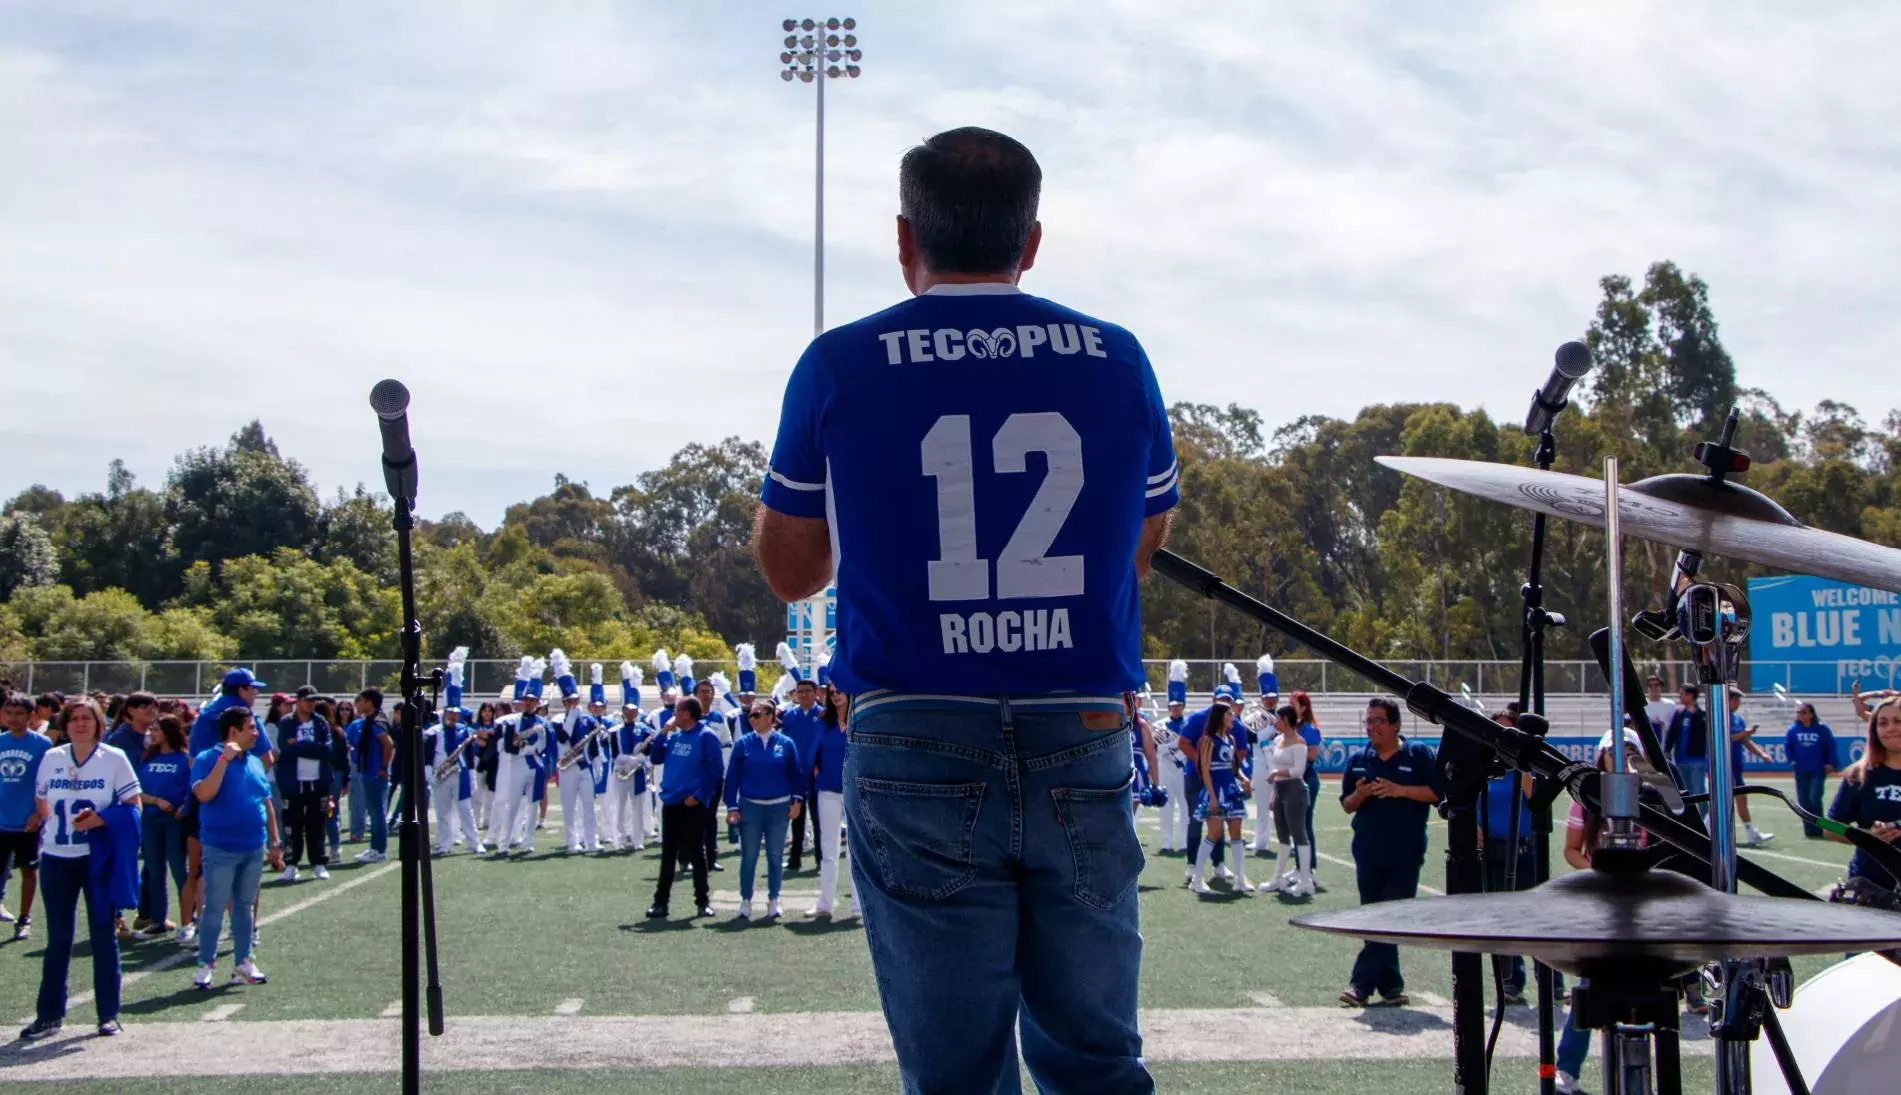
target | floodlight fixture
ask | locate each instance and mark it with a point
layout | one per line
(813, 57)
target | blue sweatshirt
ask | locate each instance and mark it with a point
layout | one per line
(204, 729)
(804, 729)
(693, 764)
(1811, 749)
(830, 759)
(763, 769)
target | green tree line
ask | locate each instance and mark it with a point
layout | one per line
(237, 556)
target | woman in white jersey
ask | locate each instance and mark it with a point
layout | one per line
(78, 782)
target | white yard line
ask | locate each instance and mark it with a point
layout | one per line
(1435, 1000)
(1266, 999)
(740, 1005)
(190, 954)
(220, 1013)
(1751, 853)
(305, 1047)
(393, 1011)
(570, 1006)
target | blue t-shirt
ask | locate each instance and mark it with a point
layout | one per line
(985, 459)
(1876, 798)
(1498, 809)
(1310, 734)
(1810, 748)
(166, 776)
(234, 818)
(19, 770)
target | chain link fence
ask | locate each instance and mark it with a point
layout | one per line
(489, 677)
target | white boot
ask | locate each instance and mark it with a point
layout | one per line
(1238, 861)
(1197, 878)
(1304, 878)
(1283, 871)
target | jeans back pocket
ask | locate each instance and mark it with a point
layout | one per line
(922, 833)
(1102, 840)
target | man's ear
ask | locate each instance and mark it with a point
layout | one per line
(1029, 249)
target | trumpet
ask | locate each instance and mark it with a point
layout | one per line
(574, 752)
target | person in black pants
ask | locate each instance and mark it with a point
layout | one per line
(689, 787)
(1390, 788)
(303, 771)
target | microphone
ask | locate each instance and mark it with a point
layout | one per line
(1573, 361)
(390, 400)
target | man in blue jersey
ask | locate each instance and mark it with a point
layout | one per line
(989, 472)
(20, 753)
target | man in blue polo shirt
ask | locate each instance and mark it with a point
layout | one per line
(1390, 788)
(989, 472)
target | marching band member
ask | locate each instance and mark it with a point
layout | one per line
(765, 789)
(524, 737)
(829, 765)
(627, 791)
(1168, 749)
(576, 780)
(597, 757)
(1259, 720)
(483, 759)
(451, 792)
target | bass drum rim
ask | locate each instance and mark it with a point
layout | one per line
(1843, 1022)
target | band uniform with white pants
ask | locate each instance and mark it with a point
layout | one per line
(452, 797)
(512, 816)
(578, 826)
(625, 815)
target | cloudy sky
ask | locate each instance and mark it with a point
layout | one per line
(601, 213)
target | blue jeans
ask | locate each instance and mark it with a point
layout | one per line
(756, 820)
(331, 825)
(1696, 780)
(162, 846)
(1808, 795)
(1377, 966)
(995, 857)
(61, 882)
(369, 796)
(231, 878)
(1313, 799)
(1573, 1044)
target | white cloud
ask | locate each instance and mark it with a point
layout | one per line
(214, 212)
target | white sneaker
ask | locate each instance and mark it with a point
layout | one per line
(1567, 1084)
(477, 850)
(373, 856)
(745, 910)
(289, 875)
(815, 912)
(187, 935)
(202, 979)
(1242, 885)
(1301, 888)
(247, 973)
(774, 910)
(5, 916)
(1199, 885)
(321, 873)
(1221, 871)
(1277, 884)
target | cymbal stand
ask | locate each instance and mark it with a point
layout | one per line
(1531, 698)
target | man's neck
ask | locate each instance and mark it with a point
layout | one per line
(1386, 751)
(927, 280)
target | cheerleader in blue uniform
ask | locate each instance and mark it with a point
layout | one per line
(1223, 799)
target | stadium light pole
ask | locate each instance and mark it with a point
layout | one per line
(817, 50)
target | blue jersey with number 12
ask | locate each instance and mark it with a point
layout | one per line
(985, 459)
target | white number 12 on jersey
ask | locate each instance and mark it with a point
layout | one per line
(1023, 568)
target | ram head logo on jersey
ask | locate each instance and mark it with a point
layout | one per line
(1001, 342)
(12, 768)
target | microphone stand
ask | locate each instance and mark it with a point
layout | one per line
(1531, 697)
(419, 891)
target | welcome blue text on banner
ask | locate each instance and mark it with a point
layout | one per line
(1831, 634)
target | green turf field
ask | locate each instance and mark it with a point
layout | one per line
(547, 962)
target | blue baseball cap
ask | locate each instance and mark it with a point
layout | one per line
(241, 678)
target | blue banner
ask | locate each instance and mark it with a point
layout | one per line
(1848, 749)
(1831, 633)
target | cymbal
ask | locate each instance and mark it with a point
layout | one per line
(1591, 916)
(1684, 511)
